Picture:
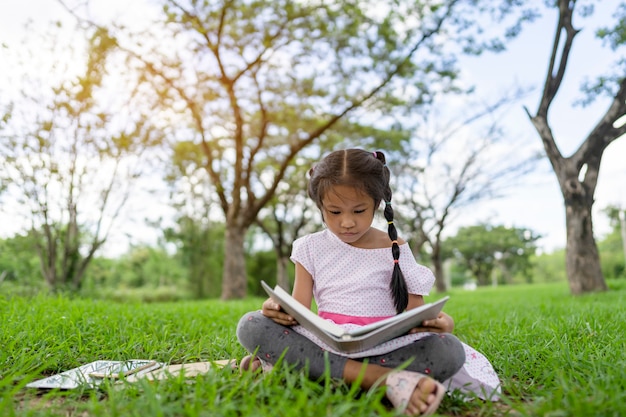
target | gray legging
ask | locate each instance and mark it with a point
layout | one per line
(439, 355)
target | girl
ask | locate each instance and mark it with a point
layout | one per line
(358, 275)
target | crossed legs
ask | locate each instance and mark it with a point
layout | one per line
(438, 356)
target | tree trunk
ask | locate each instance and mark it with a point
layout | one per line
(234, 280)
(578, 174)
(622, 227)
(440, 282)
(582, 259)
(282, 278)
(440, 278)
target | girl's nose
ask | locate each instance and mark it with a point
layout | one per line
(347, 222)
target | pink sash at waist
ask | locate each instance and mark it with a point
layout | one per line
(344, 319)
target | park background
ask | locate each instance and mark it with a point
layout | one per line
(145, 246)
(152, 288)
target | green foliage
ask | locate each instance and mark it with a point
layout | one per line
(612, 256)
(261, 265)
(200, 250)
(615, 36)
(485, 249)
(459, 275)
(549, 267)
(144, 266)
(612, 247)
(18, 262)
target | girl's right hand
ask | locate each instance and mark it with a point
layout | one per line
(272, 310)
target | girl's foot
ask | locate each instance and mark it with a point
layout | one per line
(249, 363)
(253, 363)
(413, 393)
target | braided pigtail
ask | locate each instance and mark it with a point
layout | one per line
(398, 287)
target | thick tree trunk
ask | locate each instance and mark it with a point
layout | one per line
(234, 279)
(282, 277)
(440, 278)
(440, 281)
(582, 259)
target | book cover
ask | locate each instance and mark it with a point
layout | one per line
(359, 339)
(93, 374)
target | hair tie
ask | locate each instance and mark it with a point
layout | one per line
(396, 261)
(387, 203)
(375, 154)
(394, 241)
(390, 222)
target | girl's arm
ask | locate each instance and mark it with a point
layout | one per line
(302, 292)
(415, 301)
(303, 286)
(442, 324)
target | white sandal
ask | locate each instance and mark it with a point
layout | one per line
(402, 384)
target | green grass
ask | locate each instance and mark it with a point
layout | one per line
(557, 355)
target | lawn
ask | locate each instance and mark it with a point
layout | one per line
(557, 355)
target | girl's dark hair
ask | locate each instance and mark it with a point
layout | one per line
(367, 172)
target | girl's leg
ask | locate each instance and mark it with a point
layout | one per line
(413, 396)
(270, 341)
(439, 356)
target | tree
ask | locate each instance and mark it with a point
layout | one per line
(483, 248)
(277, 77)
(286, 216)
(198, 232)
(70, 161)
(256, 83)
(455, 164)
(578, 174)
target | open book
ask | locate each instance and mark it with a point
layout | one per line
(95, 373)
(357, 339)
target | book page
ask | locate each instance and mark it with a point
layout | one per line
(300, 312)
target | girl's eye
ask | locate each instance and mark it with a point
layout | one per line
(334, 212)
(359, 211)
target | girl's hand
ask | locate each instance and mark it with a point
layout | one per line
(442, 324)
(272, 310)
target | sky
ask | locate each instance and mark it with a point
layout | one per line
(535, 203)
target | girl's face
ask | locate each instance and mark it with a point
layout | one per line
(348, 213)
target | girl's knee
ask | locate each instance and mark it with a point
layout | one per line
(455, 349)
(249, 328)
(450, 351)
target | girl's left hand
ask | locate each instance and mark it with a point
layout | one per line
(442, 324)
